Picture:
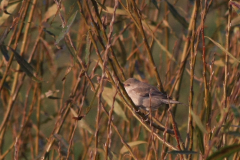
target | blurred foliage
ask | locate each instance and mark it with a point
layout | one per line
(62, 65)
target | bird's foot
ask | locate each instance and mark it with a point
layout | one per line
(145, 117)
(146, 120)
(136, 111)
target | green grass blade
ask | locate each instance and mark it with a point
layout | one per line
(67, 27)
(224, 152)
(182, 152)
(4, 52)
(25, 66)
(176, 15)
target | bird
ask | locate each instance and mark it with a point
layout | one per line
(145, 95)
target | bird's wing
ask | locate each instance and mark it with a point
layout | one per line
(144, 92)
(155, 94)
(159, 94)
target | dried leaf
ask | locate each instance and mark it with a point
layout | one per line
(236, 6)
(4, 16)
(50, 12)
(107, 95)
(82, 124)
(78, 118)
(219, 63)
(131, 144)
(198, 122)
(4, 5)
(118, 11)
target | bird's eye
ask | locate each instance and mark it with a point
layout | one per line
(126, 84)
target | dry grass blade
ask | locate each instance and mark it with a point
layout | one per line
(224, 50)
(198, 122)
(85, 59)
(5, 15)
(50, 12)
(131, 144)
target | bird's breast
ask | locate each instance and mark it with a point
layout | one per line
(137, 100)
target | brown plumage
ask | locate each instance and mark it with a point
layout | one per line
(141, 93)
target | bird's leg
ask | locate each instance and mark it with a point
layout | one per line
(136, 111)
(146, 120)
(146, 116)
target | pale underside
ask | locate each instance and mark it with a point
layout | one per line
(146, 97)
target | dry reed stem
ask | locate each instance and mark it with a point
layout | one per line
(115, 50)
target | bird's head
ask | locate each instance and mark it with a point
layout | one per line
(131, 83)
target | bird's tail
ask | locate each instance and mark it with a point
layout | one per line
(170, 101)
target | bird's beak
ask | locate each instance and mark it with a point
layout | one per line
(125, 84)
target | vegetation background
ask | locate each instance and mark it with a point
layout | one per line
(62, 63)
